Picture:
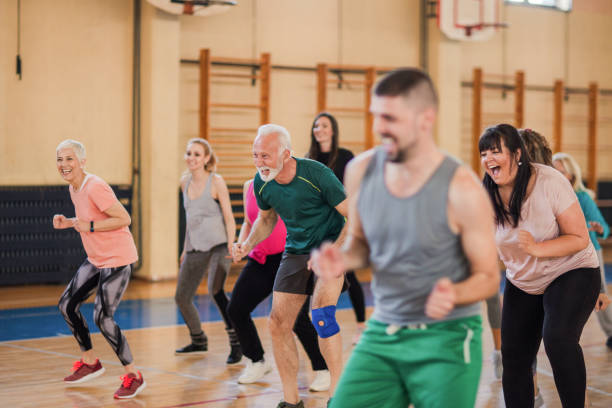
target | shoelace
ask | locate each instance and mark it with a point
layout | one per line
(126, 381)
(77, 365)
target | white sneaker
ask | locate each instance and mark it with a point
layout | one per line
(254, 371)
(498, 368)
(321, 382)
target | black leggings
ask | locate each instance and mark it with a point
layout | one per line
(356, 294)
(110, 284)
(557, 316)
(254, 284)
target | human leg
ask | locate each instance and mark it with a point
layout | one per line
(445, 371)
(568, 303)
(253, 285)
(218, 269)
(190, 275)
(494, 317)
(112, 286)
(81, 286)
(285, 308)
(522, 317)
(325, 297)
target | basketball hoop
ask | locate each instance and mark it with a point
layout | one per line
(194, 7)
(470, 28)
(469, 20)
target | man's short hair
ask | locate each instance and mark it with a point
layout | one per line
(408, 82)
(283, 134)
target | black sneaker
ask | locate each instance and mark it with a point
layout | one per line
(191, 349)
(609, 342)
(284, 404)
(235, 355)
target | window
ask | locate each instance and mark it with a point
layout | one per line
(563, 5)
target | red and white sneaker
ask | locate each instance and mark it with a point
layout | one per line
(130, 386)
(82, 372)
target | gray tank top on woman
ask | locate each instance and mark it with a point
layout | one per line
(204, 219)
(411, 244)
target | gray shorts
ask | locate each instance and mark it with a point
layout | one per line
(293, 275)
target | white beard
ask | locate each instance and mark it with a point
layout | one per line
(271, 175)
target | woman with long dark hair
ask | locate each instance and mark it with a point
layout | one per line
(324, 149)
(552, 270)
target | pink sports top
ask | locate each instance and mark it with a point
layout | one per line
(275, 243)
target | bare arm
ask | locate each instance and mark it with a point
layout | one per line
(118, 217)
(355, 251)
(226, 208)
(328, 261)
(471, 216)
(261, 229)
(245, 230)
(182, 256)
(573, 236)
(471, 208)
(342, 208)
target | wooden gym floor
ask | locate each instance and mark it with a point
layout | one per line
(31, 370)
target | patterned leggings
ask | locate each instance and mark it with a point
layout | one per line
(110, 284)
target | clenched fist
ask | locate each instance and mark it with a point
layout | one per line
(441, 300)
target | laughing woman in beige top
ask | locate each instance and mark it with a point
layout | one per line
(552, 275)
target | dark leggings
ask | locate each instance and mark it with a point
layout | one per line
(356, 294)
(557, 316)
(110, 284)
(254, 284)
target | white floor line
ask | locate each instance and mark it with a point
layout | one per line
(597, 390)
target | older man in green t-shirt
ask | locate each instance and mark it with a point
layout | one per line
(311, 201)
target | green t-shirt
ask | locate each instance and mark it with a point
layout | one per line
(306, 205)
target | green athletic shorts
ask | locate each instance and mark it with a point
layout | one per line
(431, 366)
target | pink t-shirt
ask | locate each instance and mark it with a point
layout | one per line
(275, 243)
(105, 249)
(552, 194)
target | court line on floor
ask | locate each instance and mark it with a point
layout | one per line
(114, 363)
(237, 397)
(590, 388)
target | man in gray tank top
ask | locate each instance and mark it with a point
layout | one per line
(424, 224)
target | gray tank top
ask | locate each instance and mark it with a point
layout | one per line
(411, 244)
(204, 219)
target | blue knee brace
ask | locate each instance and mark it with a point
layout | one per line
(324, 321)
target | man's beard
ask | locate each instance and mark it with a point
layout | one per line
(272, 174)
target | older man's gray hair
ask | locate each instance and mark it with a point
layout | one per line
(283, 135)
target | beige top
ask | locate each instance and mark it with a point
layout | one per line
(552, 194)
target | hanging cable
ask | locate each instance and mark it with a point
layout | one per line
(18, 60)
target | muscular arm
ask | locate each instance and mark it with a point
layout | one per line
(355, 249)
(330, 262)
(262, 228)
(471, 215)
(342, 208)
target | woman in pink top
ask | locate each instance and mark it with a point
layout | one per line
(254, 284)
(552, 274)
(103, 224)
